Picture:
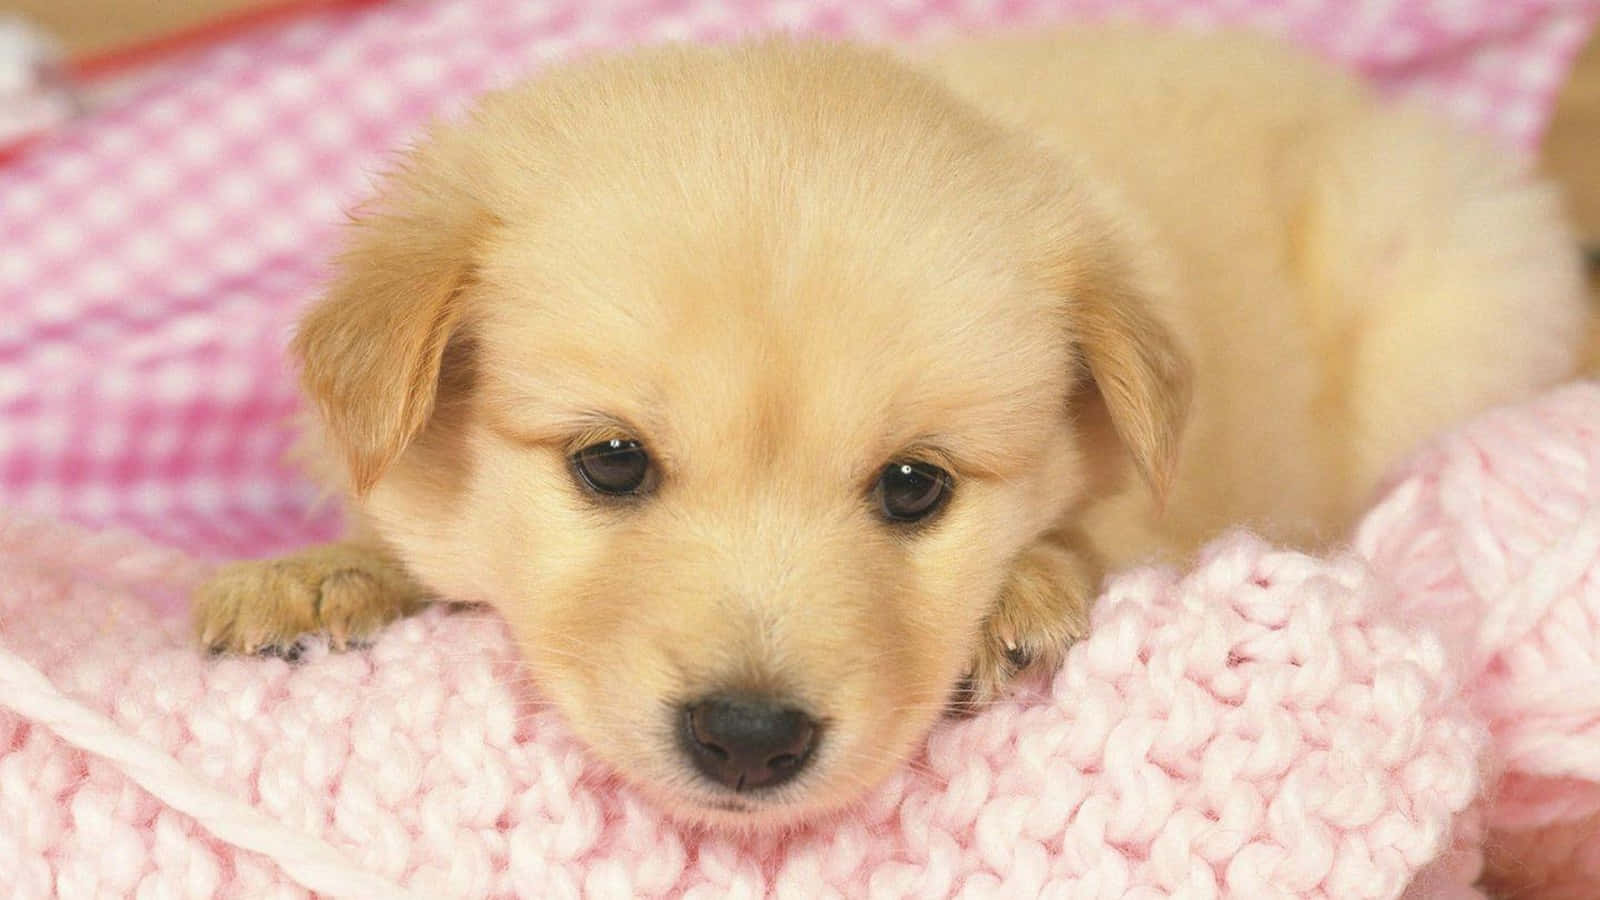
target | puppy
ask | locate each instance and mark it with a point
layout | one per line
(777, 393)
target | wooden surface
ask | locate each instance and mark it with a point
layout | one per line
(92, 26)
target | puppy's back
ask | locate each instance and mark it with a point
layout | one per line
(1346, 275)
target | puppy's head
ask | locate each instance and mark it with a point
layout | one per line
(735, 379)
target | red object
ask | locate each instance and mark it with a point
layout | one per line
(15, 149)
(122, 59)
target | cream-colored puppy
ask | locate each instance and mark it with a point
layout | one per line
(776, 393)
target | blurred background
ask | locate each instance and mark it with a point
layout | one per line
(87, 30)
(173, 172)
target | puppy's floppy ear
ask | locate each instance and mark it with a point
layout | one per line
(371, 349)
(1134, 366)
(1141, 377)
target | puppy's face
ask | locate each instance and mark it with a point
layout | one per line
(735, 380)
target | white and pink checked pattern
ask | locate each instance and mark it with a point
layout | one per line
(153, 257)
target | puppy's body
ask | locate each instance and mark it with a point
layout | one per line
(1119, 289)
(1345, 278)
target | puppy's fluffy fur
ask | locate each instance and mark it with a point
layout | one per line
(1126, 288)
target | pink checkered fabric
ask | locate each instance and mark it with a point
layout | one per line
(153, 257)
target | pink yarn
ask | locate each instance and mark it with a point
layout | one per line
(1492, 536)
(1268, 724)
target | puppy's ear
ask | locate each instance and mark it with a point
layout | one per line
(1135, 369)
(371, 349)
(1141, 378)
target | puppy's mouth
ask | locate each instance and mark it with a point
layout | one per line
(730, 806)
(755, 810)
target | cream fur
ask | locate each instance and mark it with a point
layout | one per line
(1128, 288)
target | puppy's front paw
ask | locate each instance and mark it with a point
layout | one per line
(1043, 610)
(257, 606)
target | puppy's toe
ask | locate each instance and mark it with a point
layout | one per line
(266, 605)
(352, 605)
(1008, 648)
(1042, 610)
(289, 653)
(249, 607)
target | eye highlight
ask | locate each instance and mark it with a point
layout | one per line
(912, 491)
(617, 467)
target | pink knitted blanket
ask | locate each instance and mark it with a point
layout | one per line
(1266, 725)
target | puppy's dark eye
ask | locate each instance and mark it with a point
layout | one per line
(617, 466)
(912, 491)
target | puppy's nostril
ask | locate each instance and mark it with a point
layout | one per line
(714, 750)
(747, 742)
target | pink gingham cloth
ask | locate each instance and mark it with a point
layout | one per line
(153, 256)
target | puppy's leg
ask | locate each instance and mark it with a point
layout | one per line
(1043, 610)
(348, 589)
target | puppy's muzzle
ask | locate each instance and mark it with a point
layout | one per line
(747, 742)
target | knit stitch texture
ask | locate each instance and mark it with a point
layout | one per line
(1268, 724)
(1264, 725)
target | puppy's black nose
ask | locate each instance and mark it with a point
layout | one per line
(747, 742)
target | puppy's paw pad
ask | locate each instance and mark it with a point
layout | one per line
(290, 653)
